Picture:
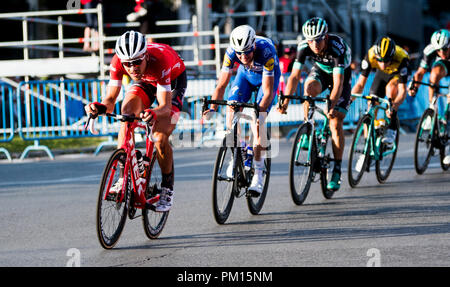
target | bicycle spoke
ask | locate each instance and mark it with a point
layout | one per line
(359, 151)
(111, 215)
(301, 166)
(423, 145)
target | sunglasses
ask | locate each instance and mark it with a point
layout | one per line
(317, 40)
(245, 53)
(382, 60)
(133, 63)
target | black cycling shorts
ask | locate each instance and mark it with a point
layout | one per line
(326, 80)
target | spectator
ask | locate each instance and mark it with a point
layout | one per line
(285, 65)
(91, 42)
(286, 60)
(145, 13)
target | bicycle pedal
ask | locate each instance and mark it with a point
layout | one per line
(253, 193)
(150, 207)
(111, 197)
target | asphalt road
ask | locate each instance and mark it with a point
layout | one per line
(48, 217)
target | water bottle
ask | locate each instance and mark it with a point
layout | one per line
(142, 161)
(379, 123)
(249, 159)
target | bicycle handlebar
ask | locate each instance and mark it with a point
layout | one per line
(433, 86)
(303, 98)
(123, 118)
(373, 98)
(233, 104)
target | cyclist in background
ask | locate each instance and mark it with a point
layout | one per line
(392, 70)
(158, 73)
(258, 71)
(332, 59)
(436, 56)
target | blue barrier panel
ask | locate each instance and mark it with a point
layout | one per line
(54, 110)
(7, 116)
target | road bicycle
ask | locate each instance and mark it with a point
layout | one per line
(311, 151)
(367, 148)
(141, 189)
(225, 188)
(432, 133)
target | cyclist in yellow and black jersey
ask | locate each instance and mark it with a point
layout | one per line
(391, 63)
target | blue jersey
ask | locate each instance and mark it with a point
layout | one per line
(265, 61)
(249, 78)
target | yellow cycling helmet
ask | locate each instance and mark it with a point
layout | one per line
(384, 49)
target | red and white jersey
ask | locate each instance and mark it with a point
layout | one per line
(163, 65)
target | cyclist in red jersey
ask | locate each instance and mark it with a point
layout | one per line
(158, 73)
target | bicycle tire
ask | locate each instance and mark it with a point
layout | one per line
(357, 150)
(153, 221)
(299, 191)
(255, 204)
(445, 148)
(324, 174)
(423, 136)
(222, 209)
(109, 236)
(382, 174)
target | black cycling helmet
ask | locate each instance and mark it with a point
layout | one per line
(384, 49)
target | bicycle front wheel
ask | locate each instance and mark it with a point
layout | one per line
(223, 184)
(387, 153)
(153, 221)
(112, 209)
(301, 167)
(256, 203)
(423, 145)
(359, 151)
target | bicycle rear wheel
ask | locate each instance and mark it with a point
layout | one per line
(445, 143)
(359, 156)
(223, 186)
(111, 211)
(301, 171)
(255, 204)
(423, 145)
(325, 168)
(385, 163)
(153, 221)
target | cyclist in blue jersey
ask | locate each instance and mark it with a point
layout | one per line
(331, 69)
(258, 71)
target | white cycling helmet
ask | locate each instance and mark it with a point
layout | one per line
(440, 39)
(314, 28)
(130, 46)
(242, 38)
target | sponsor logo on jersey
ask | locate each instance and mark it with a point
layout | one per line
(364, 65)
(404, 71)
(269, 64)
(165, 73)
(177, 65)
(226, 61)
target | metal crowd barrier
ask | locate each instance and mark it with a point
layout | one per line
(7, 116)
(54, 110)
(46, 110)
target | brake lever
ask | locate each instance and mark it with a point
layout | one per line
(90, 125)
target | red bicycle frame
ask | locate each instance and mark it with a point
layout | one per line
(139, 184)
